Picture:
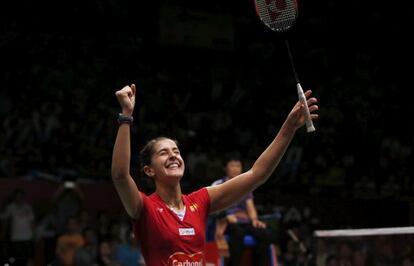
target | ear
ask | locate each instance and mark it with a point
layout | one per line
(149, 171)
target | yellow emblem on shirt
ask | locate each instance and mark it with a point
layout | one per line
(193, 207)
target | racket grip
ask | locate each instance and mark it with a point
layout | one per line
(302, 99)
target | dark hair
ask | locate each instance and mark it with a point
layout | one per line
(233, 156)
(147, 151)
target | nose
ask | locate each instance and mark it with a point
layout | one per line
(172, 155)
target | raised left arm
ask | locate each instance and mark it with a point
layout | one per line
(232, 191)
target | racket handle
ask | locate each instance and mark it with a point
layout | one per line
(302, 99)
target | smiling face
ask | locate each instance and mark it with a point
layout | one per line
(166, 164)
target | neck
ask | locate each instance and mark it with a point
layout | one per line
(171, 196)
(177, 205)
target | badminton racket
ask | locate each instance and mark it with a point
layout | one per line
(280, 16)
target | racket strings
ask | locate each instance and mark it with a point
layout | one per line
(279, 15)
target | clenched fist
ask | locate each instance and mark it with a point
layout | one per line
(126, 98)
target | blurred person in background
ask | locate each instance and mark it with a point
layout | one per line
(68, 243)
(128, 253)
(240, 220)
(86, 255)
(105, 255)
(20, 222)
(68, 199)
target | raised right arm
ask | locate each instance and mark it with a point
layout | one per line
(121, 157)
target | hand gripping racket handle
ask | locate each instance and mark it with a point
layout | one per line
(302, 99)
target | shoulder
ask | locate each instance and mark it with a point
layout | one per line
(198, 193)
(150, 200)
(200, 196)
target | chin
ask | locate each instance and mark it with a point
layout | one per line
(176, 174)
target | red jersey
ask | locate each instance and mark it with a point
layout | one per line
(165, 239)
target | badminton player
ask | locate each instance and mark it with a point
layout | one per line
(169, 225)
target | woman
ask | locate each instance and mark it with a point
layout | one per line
(169, 225)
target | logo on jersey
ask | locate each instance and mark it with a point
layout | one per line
(182, 259)
(193, 207)
(186, 231)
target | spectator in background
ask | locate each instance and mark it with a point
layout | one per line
(128, 253)
(105, 255)
(124, 225)
(114, 238)
(359, 258)
(84, 219)
(46, 232)
(69, 200)
(289, 254)
(102, 225)
(332, 261)
(241, 219)
(68, 243)
(19, 219)
(345, 251)
(87, 254)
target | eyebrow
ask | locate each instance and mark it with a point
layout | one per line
(165, 149)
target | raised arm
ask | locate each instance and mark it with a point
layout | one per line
(231, 191)
(121, 157)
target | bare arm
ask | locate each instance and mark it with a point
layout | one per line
(231, 191)
(252, 213)
(251, 209)
(121, 158)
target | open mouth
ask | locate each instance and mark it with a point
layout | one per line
(173, 165)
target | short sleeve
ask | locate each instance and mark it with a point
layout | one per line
(202, 198)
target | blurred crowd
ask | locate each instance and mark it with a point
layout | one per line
(65, 233)
(366, 250)
(59, 115)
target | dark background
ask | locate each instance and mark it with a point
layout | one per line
(211, 75)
